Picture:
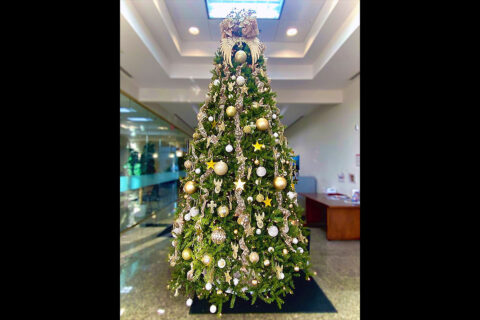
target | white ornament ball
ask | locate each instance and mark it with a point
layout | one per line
(275, 135)
(213, 308)
(249, 199)
(197, 171)
(281, 276)
(229, 148)
(295, 241)
(187, 217)
(230, 96)
(240, 80)
(189, 302)
(261, 171)
(194, 211)
(216, 82)
(221, 263)
(270, 249)
(272, 231)
(258, 231)
(274, 116)
(300, 250)
(233, 77)
(277, 141)
(210, 118)
(174, 243)
(235, 281)
(291, 194)
(208, 286)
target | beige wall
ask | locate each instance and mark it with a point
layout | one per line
(327, 142)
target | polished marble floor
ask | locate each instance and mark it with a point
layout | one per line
(145, 271)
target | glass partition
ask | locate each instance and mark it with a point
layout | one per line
(150, 149)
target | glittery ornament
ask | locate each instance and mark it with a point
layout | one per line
(261, 171)
(187, 254)
(254, 282)
(221, 263)
(187, 217)
(222, 211)
(259, 198)
(210, 118)
(272, 231)
(229, 148)
(254, 104)
(231, 111)
(197, 171)
(206, 259)
(240, 80)
(266, 263)
(247, 129)
(285, 251)
(188, 164)
(253, 257)
(194, 211)
(218, 236)
(295, 241)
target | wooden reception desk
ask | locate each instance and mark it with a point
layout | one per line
(340, 219)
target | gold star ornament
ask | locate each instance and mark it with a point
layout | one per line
(210, 164)
(228, 277)
(267, 202)
(257, 146)
(239, 184)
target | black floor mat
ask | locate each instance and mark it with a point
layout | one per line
(307, 297)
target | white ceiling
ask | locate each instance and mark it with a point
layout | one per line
(171, 67)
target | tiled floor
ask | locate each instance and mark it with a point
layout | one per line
(145, 271)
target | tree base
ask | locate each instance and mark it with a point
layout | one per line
(307, 297)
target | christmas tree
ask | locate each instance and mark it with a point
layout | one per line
(238, 229)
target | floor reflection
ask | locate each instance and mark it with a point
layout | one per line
(145, 272)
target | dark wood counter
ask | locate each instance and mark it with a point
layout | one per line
(340, 219)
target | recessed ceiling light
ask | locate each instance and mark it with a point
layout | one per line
(139, 119)
(264, 9)
(126, 110)
(194, 30)
(291, 32)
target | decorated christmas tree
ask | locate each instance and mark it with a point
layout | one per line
(238, 229)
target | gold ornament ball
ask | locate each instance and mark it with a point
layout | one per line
(290, 206)
(280, 183)
(231, 111)
(256, 162)
(240, 56)
(296, 269)
(262, 124)
(253, 257)
(218, 236)
(235, 231)
(222, 211)
(185, 196)
(247, 129)
(187, 254)
(285, 251)
(266, 263)
(254, 104)
(259, 198)
(240, 220)
(190, 187)
(254, 282)
(196, 136)
(206, 259)
(188, 164)
(220, 168)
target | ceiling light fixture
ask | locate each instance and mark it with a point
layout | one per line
(264, 9)
(126, 110)
(292, 32)
(194, 30)
(139, 119)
